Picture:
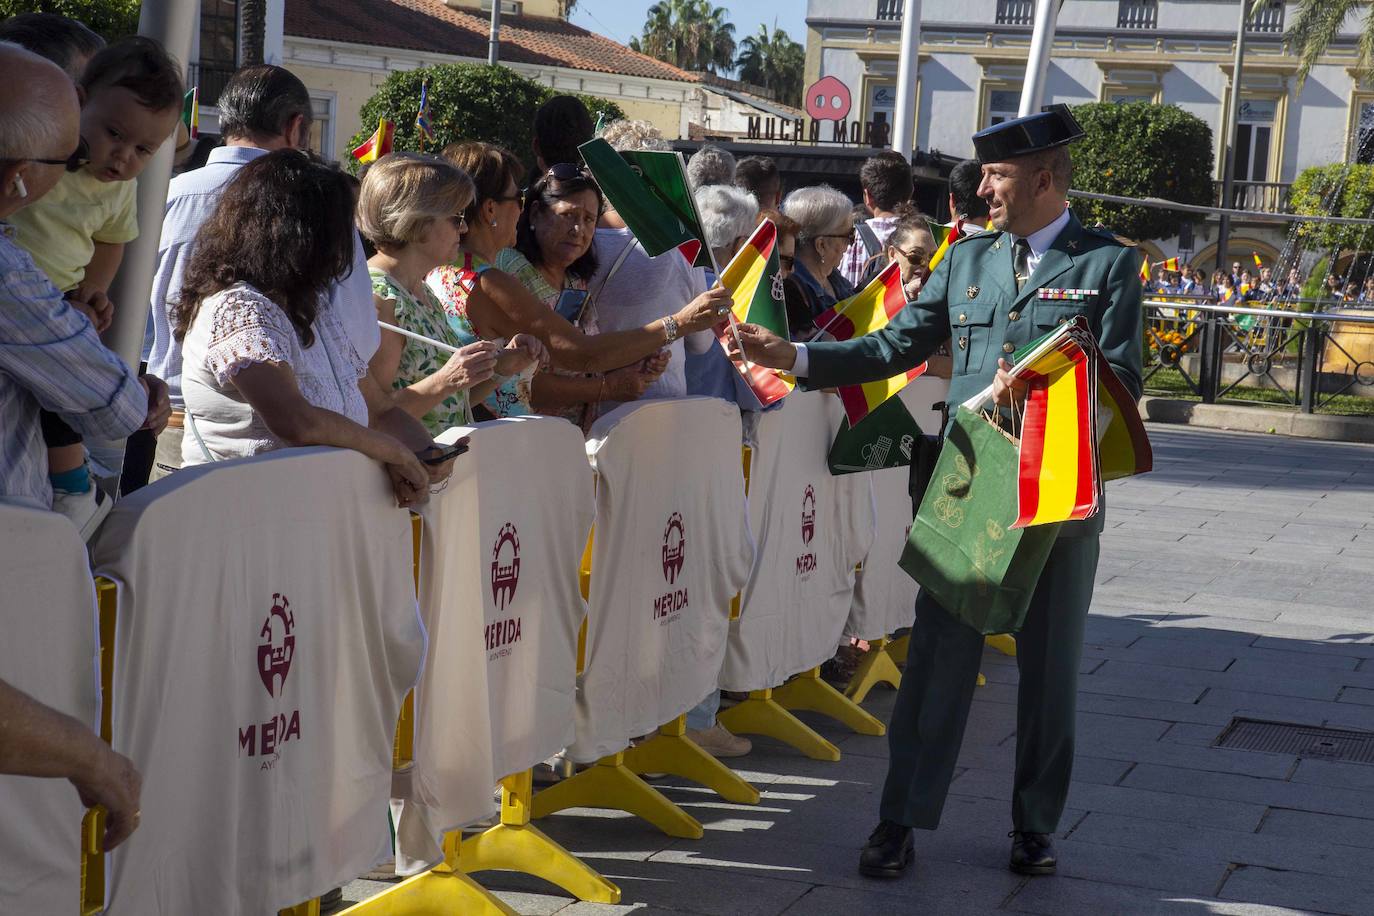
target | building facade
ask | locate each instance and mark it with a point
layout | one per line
(1177, 52)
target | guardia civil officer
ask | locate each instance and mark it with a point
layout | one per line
(993, 293)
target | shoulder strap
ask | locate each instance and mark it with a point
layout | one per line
(870, 239)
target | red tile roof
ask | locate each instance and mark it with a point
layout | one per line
(430, 26)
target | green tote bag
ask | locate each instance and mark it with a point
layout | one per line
(962, 548)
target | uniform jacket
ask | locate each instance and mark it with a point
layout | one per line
(971, 300)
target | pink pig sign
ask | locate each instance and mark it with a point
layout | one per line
(828, 99)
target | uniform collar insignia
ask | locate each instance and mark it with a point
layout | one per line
(972, 292)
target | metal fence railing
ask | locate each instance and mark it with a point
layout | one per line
(1305, 353)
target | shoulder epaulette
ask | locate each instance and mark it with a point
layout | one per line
(1102, 231)
(980, 234)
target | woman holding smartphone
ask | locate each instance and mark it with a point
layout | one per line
(554, 259)
(411, 208)
(266, 362)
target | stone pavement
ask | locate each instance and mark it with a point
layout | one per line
(1235, 581)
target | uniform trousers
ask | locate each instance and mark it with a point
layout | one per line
(937, 687)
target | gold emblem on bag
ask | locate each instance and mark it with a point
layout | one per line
(972, 292)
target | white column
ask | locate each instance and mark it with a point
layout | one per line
(1038, 64)
(172, 22)
(904, 116)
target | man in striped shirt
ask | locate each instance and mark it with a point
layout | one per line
(50, 355)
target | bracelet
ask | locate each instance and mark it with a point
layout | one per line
(670, 327)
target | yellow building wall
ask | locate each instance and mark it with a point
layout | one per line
(352, 88)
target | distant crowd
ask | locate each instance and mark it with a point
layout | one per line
(1260, 284)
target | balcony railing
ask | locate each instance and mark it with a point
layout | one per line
(210, 77)
(1268, 20)
(1015, 12)
(1262, 196)
(1137, 14)
(889, 10)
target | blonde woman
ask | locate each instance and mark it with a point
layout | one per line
(411, 209)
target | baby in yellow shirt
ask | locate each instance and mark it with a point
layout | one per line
(131, 95)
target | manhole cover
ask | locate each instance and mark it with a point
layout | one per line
(1302, 740)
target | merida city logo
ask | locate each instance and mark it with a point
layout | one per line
(806, 563)
(500, 635)
(505, 566)
(276, 651)
(669, 605)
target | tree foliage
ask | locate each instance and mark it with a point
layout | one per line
(689, 34)
(466, 102)
(1335, 190)
(774, 61)
(1137, 149)
(1316, 23)
(109, 18)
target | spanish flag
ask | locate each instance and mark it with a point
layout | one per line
(377, 145)
(1145, 270)
(1258, 262)
(868, 311)
(1058, 478)
(1123, 448)
(1169, 264)
(754, 284)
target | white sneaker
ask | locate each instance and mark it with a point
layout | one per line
(86, 510)
(718, 741)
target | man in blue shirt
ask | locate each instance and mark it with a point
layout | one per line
(262, 108)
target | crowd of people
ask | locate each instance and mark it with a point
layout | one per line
(283, 284)
(1260, 285)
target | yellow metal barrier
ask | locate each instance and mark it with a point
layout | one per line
(875, 668)
(517, 845)
(761, 714)
(807, 691)
(608, 783)
(671, 751)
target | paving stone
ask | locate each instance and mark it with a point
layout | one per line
(1252, 790)
(1301, 826)
(1075, 897)
(1309, 893)
(1335, 773)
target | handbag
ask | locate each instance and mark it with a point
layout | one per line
(962, 548)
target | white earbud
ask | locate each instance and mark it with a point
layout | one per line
(19, 186)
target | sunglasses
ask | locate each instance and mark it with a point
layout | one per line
(567, 171)
(81, 156)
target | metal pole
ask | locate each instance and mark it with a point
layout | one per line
(1038, 64)
(494, 42)
(1232, 127)
(173, 23)
(904, 130)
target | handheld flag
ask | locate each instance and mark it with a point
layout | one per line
(886, 438)
(377, 145)
(1169, 264)
(867, 311)
(422, 117)
(649, 189)
(756, 288)
(190, 112)
(945, 236)
(1145, 270)
(1258, 262)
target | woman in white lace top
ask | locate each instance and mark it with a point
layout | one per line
(267, 365)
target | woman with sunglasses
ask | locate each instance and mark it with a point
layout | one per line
(493, 305)
(826, 221)
(554, 259)
(409, 208)
(911, 244)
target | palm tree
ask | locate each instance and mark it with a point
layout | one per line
(253, 22)
(1317, 24)
(690, 34)
(774, 61)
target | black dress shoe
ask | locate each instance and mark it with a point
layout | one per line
(1032, 853)
(888, 852)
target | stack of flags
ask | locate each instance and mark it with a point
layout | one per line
(754, 284)
(649, 189)
(1081, 428)
(377, 145)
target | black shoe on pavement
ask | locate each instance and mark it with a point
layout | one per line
(888, 852)
(1032, 853)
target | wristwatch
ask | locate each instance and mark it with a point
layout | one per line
(670, 328)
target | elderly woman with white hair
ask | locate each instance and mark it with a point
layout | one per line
(710, 165)
(826, 218)
(728, 217)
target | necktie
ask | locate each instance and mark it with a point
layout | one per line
(1020, 262)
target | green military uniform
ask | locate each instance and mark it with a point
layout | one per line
(972, 300)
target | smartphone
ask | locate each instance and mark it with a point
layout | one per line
(446, 452)
(570, 304)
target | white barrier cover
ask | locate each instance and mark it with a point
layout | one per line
(670, 551)
(499, 591)
(267, 633)
(884, 596)
(49, 652)
(812, 529)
